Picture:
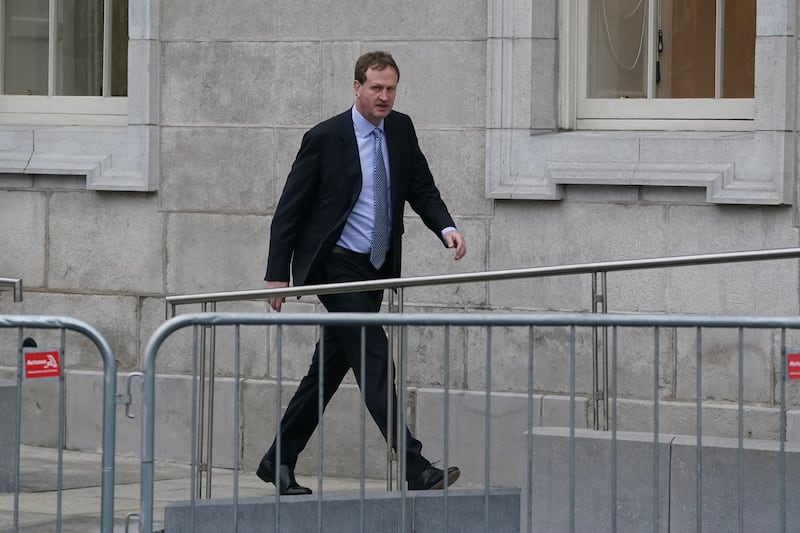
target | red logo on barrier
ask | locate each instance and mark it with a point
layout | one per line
(42, 364)
(793, 365)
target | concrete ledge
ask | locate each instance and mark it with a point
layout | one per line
(593, 451)
(8, 433)
(674, 488)
(342, 513)
(720, 503)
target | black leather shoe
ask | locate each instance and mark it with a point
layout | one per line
(288, 484)
(433, 478)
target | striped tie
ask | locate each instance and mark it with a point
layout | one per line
(380, 232)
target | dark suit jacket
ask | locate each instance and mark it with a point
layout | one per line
(323, 186)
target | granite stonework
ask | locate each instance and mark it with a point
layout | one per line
(119, 246)
(196, 158)
(114, 316)
(24, 236)
(212, 259)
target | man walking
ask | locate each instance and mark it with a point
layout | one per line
(340, 219)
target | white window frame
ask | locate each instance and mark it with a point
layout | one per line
(728, 114)
(64, 110)
(116, 149)
(533, 149)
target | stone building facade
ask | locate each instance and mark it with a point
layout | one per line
(103, 221)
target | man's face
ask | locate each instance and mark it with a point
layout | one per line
(375, 97)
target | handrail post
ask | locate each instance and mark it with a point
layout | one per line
(212, 371)
(604, 310)
(16, 287)
(595, 298)
(201, 384)
(205, 432)
(395, 305)
(599, 303)
(389, 406)
(401, 427)
(18, 291)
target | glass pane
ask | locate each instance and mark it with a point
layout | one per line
(739, 53)
(119, 48)
(25, 46)
(687, 59)
(79, 48)
(617, 49)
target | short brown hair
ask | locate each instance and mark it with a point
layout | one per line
(378, 60)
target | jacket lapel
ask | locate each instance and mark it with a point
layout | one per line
(348, 150)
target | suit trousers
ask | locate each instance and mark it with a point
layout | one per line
(343, 349)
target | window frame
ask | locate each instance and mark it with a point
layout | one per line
(64, 110)
(714, 114)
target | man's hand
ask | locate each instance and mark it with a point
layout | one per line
(277, 301)
(453, 239)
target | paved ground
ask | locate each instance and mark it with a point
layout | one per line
(80, 497)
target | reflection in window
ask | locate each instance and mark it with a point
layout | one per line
(25, 31)
(70, 48)
(617, 49)
(699, 49)
(119, 49)
(79, 48)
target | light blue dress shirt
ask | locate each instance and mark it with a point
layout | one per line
(357, 233)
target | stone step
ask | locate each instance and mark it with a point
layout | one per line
(341, 513)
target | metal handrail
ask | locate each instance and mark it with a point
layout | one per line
(16, 286)
(396, 301)
(492, 275)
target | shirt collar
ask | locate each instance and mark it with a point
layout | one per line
(364, 127)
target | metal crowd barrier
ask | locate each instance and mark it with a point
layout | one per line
(35, 362)
(565, 509)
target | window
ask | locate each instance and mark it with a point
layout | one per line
(665, 60)
(578, 94)
(64, 61)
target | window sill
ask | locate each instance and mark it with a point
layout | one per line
(734, 168)
(111, 157)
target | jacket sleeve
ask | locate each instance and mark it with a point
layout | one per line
(291, 213)
(423, 195)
